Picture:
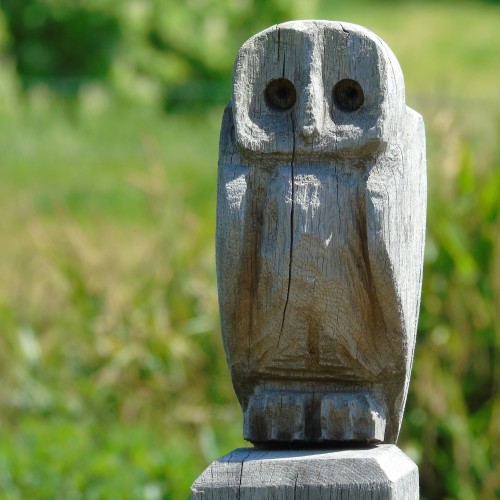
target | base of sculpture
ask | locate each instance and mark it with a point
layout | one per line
(371, 472)
(296, 415)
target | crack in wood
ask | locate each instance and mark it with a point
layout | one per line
(344, 30)
(279, 37)
(292, 177)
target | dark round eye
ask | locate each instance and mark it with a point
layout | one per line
(280, 94)
(348, 95)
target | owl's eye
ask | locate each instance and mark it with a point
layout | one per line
(348, 95)
(280, 94)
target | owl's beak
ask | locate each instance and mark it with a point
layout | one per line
(310, 114)
(309, 131)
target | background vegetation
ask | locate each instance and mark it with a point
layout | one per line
(114, 383)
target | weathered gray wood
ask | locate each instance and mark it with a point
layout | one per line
(320, 234)
(381, 472)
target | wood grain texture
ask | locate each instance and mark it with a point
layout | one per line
(320, 235)
(380, 472)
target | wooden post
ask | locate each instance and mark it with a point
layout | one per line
(320, 236)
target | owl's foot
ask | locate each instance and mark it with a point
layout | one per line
(295, 416)
(352, 416)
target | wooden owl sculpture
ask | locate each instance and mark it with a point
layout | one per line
(320, 235)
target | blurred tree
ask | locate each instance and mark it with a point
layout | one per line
(61, 45)
(184, 48)
(205, 36)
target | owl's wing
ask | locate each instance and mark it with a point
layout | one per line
(395, 219)
(231, 244)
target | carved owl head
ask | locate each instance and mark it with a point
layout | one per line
(319, 88)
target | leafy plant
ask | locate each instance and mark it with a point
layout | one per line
(62, 45)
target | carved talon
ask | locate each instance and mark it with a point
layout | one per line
(276, 416)
(351, 416)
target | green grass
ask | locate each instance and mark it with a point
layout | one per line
(114, 382)
(58, 460)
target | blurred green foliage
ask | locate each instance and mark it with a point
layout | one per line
(60, 44)
(454, 407)
(114, 381)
